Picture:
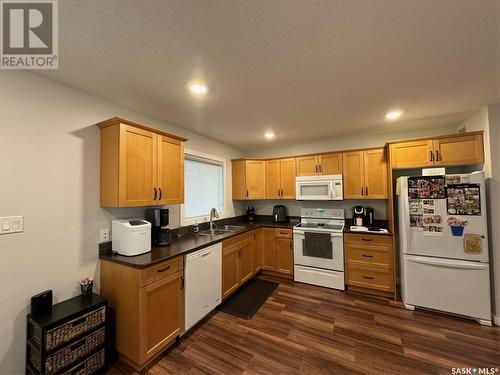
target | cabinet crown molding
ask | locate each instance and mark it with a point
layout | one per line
(119, 120)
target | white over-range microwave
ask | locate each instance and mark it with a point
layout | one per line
(319, 188)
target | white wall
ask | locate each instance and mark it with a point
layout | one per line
(50, 174)
(477, 122)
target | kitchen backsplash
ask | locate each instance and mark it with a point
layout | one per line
(293, 207)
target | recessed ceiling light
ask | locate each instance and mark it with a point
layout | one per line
(393, 115)
(269, 135)
(198, 88)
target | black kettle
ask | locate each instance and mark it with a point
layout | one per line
(279, 214)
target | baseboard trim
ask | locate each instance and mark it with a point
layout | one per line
(496, 319)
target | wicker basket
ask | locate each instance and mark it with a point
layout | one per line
(65, 332)
(71, 353)
(92, 364)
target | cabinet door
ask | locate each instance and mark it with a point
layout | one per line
(284, 255)
(412, 154)
(256, 179)
(268, 249)
(459, 150)
(330, 163)
(375, 168)
(287, 178)
(307, 165)
(273, 184)
(245, 266)
(353, 175)
(230, 280)
(170, 171)
(239, 179)
(162, 314)
(256, 260)
(137, 170)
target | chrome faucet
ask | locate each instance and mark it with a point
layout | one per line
(213, 213)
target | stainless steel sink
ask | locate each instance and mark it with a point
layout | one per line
(232, 228)
(221, 231)
(215, 232)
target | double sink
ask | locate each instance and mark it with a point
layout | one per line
(221, 231)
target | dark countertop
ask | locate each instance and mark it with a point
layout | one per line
(187, 243)
(377, 223)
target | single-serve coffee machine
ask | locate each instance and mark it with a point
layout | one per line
(363, 216)
(160, 234)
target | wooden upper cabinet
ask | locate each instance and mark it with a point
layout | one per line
(375, 169)
(140, 164)
(463, 149)
(170, 170)
(273, 179)
(365, 174)
(239, 179)
(249, 179)
(412, 154)
(460, 149)
(353, 178)
(330, 163)
(307, 165)
(256, 179)
(137, 166)
(323, 164)
(280, 178)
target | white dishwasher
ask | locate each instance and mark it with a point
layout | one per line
(203, 283)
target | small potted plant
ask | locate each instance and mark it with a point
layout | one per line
(457, 225)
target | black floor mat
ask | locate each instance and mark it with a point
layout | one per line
(248, 300)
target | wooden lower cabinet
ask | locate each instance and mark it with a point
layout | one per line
(239, 263)
(369, 263)
(257, 259)
(149, 307)
(268, 248)
(284, 255)
(277, 250)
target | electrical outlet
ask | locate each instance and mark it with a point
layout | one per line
(104, 235)
(11, 224)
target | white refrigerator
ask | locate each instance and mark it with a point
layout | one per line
(443, 244)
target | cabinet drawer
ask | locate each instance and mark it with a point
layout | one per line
(371, 256)
(283, 233)
(370, 278)
(159, 271)
(369, 240)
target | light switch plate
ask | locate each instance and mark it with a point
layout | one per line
(11, 224)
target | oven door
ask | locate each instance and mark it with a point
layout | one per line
(317, 248)
(314, 190)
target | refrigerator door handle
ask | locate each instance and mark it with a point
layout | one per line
(448, 263)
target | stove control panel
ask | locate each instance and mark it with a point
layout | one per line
(323, 213)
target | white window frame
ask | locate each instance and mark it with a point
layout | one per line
(207, 158)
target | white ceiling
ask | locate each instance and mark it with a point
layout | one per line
(305, 69)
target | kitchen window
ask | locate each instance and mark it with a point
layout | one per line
(203, 187)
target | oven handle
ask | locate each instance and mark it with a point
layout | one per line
(333, 234)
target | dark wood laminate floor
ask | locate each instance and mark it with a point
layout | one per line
(303, 329)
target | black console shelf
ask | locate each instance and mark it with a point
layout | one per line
(69, 340)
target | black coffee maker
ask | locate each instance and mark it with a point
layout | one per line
(363, 216)
(160, 234)
(279, 214)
